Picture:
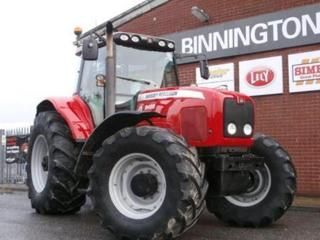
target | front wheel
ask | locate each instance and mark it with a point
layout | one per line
(270, 194)
(145, 183)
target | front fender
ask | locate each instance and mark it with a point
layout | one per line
(107, 128)
(74, 111)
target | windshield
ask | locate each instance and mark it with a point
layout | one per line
(139, 70)
(136, 70)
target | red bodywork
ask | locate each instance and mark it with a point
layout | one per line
(77, 115)
(193, 112)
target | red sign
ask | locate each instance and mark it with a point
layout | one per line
(260, 76)
(16, 149)
(304, 72)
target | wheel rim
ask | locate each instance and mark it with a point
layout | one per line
(120, 186)
(39, 163)
(255, 194)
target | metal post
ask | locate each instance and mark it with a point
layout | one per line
(2, 160)
(7, 179)
(1, 164)
(110, 86)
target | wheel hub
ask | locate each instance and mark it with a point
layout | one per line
(144, 185)
(137, 186)
(256, 192)
(254, 181)
(44, 163)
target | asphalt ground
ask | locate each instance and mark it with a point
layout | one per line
(19, 222)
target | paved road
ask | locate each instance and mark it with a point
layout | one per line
(19, 222)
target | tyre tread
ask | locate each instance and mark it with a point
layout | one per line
(193, 183)
(63, 195)
(265, 144)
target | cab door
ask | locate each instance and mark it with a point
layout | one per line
(88, 90)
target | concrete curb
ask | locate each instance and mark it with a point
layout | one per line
(13, 187)
(305, 209)
(306, 203)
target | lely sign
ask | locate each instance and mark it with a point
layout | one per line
(261, 76)
(304, 71)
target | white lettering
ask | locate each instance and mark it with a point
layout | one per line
(307, 21)
(259, 76)
(170, 94)
(274, 25)
(259, 33)
(230, 38)
(297, 28)
(187, 45)
(218, 39)
(203, 42)
(245, 39)
(263, 34)
(195, 44)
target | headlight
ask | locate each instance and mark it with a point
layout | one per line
(171, 45)
(135, 39)
(247, 129)
(162, 43)
(232, 128)
(124, 37)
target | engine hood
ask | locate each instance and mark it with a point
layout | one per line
(198, 111)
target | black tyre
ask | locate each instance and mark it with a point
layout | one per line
(145, 183)
(50, 162)
(271, 194)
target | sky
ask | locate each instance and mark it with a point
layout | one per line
(37, 57)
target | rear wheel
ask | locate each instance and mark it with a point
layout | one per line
(145, 183)
(51, 159)
(270, 194)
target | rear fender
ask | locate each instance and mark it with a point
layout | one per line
(75, 112)
(107, 128)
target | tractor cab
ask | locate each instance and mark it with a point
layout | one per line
(142, 63)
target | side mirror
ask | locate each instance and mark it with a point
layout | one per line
(204, 69)
(90, 49)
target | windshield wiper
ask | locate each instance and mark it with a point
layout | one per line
(143, 81)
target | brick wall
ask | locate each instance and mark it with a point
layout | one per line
(175, 15)
(293, 119)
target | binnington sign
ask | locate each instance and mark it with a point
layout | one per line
(289, 28)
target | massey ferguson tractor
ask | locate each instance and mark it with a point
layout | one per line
(149, 153)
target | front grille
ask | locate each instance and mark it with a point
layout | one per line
(239, 114)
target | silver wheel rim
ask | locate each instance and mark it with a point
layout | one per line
(40, 151)
(121, 194)
(258, 193)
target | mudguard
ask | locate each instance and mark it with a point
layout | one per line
(107, 128)
(75, 112)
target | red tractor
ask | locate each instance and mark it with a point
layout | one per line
(149, 153)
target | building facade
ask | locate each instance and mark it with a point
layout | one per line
(268, 49)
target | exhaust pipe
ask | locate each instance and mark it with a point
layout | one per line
(110, 86)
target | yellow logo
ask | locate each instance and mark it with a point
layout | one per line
(218, 73)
